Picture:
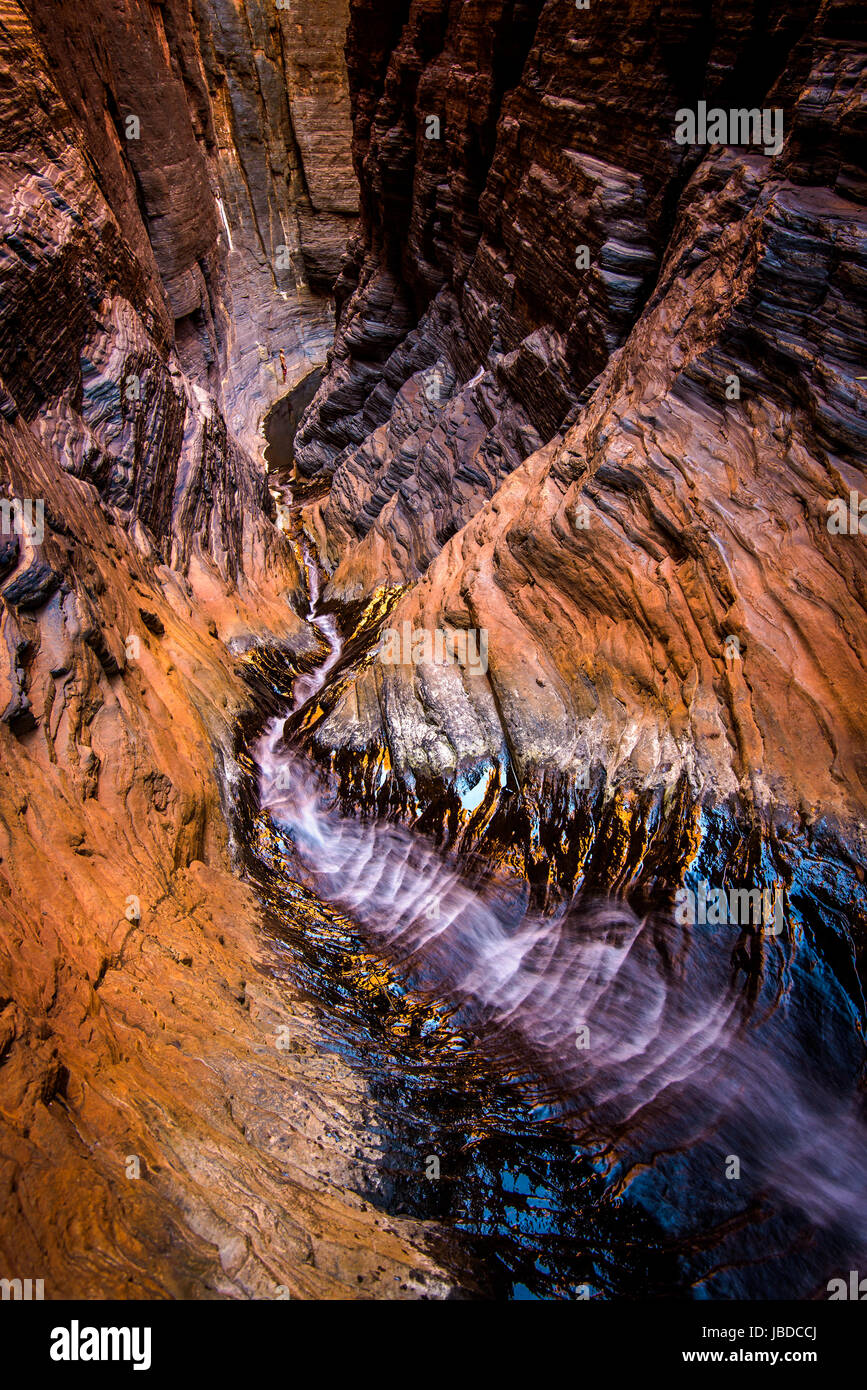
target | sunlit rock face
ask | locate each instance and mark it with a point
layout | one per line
(674, 614)
(220, 133)
(159, 1140)
(279, 96)
(520, 181)
(595, 397)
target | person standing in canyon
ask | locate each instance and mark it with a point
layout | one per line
(283, 364)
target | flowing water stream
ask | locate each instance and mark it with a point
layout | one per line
(611, 1113)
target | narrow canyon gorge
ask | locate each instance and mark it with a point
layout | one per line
(433, 775)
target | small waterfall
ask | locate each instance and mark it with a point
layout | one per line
(306, 686)
(632, 1028)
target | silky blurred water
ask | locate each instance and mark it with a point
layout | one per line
(663, 1128)
(632, 1029)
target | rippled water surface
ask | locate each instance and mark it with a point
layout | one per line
(613, 1111)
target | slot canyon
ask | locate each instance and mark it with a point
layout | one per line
(433, 775)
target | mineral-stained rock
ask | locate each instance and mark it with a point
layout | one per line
(157, 1142)
(519, 178)
(233, 184)
(156, 1139)
(671, 620)
(617, 470)
(279, 98)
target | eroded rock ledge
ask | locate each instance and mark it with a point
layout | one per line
(156, 1140)
(513, 444)
(676, 637)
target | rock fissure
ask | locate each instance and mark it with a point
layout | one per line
(590, 393)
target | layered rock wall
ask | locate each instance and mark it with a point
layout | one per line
(156, 1140)
(207, 134)
(499, 147)
(621, 472)
(675, 633)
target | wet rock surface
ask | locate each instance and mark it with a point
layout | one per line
(620, 469)
(158, 1138)
(671, 620)
(673, 623)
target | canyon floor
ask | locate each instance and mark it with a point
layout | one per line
(433, 778)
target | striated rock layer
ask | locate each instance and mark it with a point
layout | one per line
(227, 165)
(676, 645)
(157, 1136)
(589, 397)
